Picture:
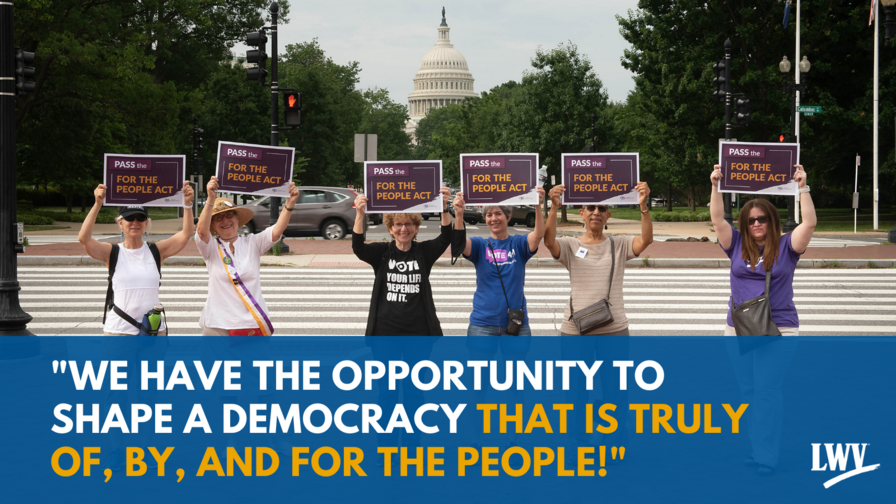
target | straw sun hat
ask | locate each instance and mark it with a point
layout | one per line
(223, 205)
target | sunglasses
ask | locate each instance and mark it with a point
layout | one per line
(137, 217)
(599, 208)
(761, 220)
(222, 216)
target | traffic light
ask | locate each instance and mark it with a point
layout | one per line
(257, 56)
(720, 80)
(24, 72)
(292, 113)
(743, 111)
(781, 138)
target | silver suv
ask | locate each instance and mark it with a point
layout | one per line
(320, 211)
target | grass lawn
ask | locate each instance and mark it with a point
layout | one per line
(45, 228)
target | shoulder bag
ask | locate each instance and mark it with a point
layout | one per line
(753, 317)
(598, 314)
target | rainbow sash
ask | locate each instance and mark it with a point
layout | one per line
(261, 318)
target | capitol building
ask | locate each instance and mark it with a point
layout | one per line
(443, 79)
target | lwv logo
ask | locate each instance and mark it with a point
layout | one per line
(838, 456)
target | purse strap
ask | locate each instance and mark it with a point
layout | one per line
(612, 270)
(495, 258)
(768, 281)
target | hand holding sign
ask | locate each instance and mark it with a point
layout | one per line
(643, 193)
(540, 191)
(293, 195)
(716, 176)
(361, 204)
(446, 197)
(188, 195)
(211, 188)
(458, 205)
(100, 194)
(556, 194)
(800, 176)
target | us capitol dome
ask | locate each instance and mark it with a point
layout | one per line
(443, 79)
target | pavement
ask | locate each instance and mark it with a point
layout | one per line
(60, 247)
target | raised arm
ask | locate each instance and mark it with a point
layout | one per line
(285, 213)
(176, 243)
(641, 242)
(534, 238)
(459, 222)
(550, 230)
(446, 197)
(94, 248)
(800, 237)
(717, 210)
(203, 227)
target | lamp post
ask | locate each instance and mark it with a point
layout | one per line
(890, 25)
(799, 86)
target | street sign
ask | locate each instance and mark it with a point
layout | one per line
(809, 109)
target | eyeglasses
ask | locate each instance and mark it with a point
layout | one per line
(137, 217)
(761, 220)
(222, 216)
(599, 208)
(407, 225)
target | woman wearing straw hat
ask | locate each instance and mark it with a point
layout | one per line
(234, 306)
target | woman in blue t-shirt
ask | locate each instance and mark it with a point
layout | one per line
(755, 248)
(509, 254)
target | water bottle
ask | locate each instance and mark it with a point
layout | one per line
(155, 317)
(542, 175)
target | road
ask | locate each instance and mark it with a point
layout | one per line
(312, 301)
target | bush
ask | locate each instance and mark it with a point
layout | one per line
(39, 198)
(32, 219)
(680, 216)
(24, 206)
(104, 217)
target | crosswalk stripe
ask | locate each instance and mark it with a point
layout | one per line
(657, 302)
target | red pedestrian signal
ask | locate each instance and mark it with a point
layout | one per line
(293, 113)
(781, 138)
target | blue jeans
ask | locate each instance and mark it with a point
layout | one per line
(488, 338)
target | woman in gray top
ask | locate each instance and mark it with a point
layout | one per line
(588, 259)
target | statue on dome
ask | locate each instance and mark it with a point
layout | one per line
(443, 13)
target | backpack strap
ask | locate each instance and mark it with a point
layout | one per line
(110, 296)
(158, 258)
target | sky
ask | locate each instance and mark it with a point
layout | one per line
(498, 38)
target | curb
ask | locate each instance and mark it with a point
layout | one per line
(537, 262)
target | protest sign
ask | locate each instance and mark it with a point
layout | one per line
(403, 186)
(600, 178)
(499, 179)
(262, 170)
(758, 168)
(147, 180)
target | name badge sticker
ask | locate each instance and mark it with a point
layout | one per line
(582, 252)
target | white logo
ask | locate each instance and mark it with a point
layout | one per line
(838, 458)
(403, 266)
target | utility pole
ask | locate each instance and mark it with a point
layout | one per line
(13, 319)
(726, 80)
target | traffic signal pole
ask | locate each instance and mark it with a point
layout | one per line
(726, 197)
(275, 112)
(13, 319)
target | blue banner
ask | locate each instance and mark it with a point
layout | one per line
(451, 419)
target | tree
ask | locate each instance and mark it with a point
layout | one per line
(386, 119)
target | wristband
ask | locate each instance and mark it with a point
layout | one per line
(645, 212)
(804, 189)
(190, 206)
(288, 209)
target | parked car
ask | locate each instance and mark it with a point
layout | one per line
(523, 214)
(320, 211)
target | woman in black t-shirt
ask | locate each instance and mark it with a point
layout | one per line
(401, 303)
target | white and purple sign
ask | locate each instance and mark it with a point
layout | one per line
(146, 180)
(600, 178)
(263, 170)
(758, 168)
(403, 186)
(499, 179)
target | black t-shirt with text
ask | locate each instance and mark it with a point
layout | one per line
(400, 297)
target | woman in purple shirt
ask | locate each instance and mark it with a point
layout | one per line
(754, 249)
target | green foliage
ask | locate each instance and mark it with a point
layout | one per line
(682, 216)
(104, 217)
(31, 219)
(24, 206)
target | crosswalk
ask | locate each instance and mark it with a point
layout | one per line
(312, 301)
(837, 242)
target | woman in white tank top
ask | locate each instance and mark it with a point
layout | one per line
(136, 280)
